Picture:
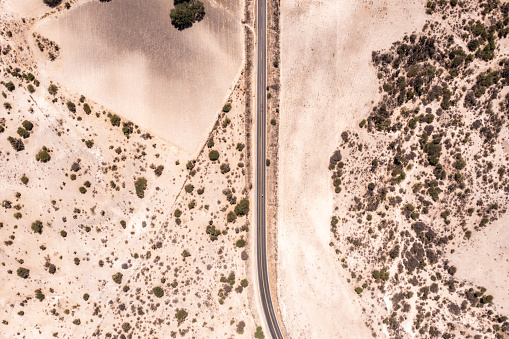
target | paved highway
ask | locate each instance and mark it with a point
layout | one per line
(261, 145)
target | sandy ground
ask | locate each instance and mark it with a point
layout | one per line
(126, 55)
(326, 83)
(27, 8)
(81, 298)
(483, 261)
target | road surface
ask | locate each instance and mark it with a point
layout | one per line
(261, 144)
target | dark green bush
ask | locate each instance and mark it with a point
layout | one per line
(17, 144)
(231, 216)
(23, 272)
(117, 277)
(115, 120)
(37, 226)
(227, 107)
(186, 13)
(189, 188)
(240, 243)
(178, 213)
(24, 179)
(10, 86)
(27, 125)
(43, 156)
(86, 108)
(71, 106)
(158, 291)
(52, 89)
(181, 315)
(23, 132)
(52, 3)
(141, 185)
(213, 155)
(242, 207)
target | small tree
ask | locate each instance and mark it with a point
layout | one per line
(213, 155)
(27, 125)
(158, 291)
(52, 3)
(23, 272)
(43, 156)
(181, 315)
(71, 106)
(242, 207)
(117, 277)
(240, 243)
(227, 107)
(37, 226)
(141, 185)
(52, 89)
(115, 120)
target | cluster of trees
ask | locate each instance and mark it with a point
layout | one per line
(186, 13)
(52, 3)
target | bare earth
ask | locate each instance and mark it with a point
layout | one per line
(128, 56)
(326, 84)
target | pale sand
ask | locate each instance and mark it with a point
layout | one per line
(27, 8)
(483, 261)
(127, 56)
(328, 83)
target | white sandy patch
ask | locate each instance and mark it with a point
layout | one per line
(27, 8)
(171, 82)
(483, 261)
(327, 85)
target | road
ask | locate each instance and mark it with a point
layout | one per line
(261, 146)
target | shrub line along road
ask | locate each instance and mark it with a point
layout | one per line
(261, 143)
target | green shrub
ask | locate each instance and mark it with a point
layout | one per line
(43, 156)
(227, 107)
(213, 155)
(242, 207)
(126, 326)
(31, 88)
(39, 295)
(16, 143)
(115, 120)
(23, 272)
(158, 291)
(231, 216)
(52, 3)
(181, 315)
(71, 106)
(24, 179)
(23, 132)
(52, 89)
(63, 234)
(86, 296)
(86, 108)
(117, 277)
(27, 125)
(83, 190)
(225, 168)
(189, 188)
(141, 185)
(123, 224)
(178, 213)
(359, 290)
(259, 333)
(10, 86)
(240, 146)
(37, 226)
(185, 254)
(186, 13)
(240, 243)
(244, 283)
(273, 122)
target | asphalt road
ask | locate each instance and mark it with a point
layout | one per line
(261, 146)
